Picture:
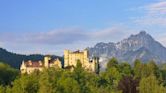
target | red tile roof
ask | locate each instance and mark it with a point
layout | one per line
(34, 64)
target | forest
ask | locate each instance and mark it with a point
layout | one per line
(14, 60)
(119, 77)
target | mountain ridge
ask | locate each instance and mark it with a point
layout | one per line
(132, 48)
(140, 46)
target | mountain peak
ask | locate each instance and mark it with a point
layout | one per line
(141, 36)
(141, 44)
(142, 32)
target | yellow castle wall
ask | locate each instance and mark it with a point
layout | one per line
(71, 58)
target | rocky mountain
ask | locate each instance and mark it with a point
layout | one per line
(15, 60)
(140, 46)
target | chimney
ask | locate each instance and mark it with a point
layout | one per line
(30, 62)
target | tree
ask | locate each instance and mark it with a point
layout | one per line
(151, 85)
(45, 85)
(25, 84)
(112, 76)
(113, 62)
(162, 72)
(78, 68)
(8, 89)
(97, 67)
(163, 76)
(137, 68)
(128, 84)
(145, 69)
(125, 69)
(79, 74)
(118, 78)
(68, 85)
(153, 69)
(2, 89)
(8, 74)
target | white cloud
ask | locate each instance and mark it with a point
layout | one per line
(112, 34)
(157, 8)
(1, 44)
(59, 36)
(59, 39)
(64, 36)
(162, 38)
(154, 14)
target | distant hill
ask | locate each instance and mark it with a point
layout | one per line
(15, 60)
(140, 46)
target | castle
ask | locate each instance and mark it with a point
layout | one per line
(70, 61)
(30, 66)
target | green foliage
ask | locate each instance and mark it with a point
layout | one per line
(118, 78)
(7, 74)
(80, 76)
(2, 89)
(137, 68)
(163, 77)
(151, 85)
(113, 76)
(162, 73)
(45, 85)
(128, 84)
(125, 69)
(142, 70)
(68, 85)
(26, 84)
(113, 62)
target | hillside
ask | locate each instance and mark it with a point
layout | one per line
(15, 60)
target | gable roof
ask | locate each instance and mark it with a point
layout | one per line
(34, 64)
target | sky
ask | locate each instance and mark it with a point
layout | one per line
(50, 26)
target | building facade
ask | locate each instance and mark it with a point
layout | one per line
(71, 59)
(30, 66)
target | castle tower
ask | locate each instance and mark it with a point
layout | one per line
(86, 54)
(66, 58)
(23, 67)
(46, 61)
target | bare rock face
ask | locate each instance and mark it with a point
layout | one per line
(140, 46)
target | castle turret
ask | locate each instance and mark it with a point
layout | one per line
(46, 61)
(86, 57)
(23, 67)
(66, 58)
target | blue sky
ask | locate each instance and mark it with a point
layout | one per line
(49, 26)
